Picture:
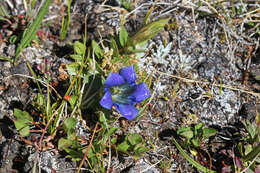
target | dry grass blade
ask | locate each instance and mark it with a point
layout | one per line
(208, 83)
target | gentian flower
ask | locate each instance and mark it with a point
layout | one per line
(122, 92)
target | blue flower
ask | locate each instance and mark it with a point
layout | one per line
(122, 92)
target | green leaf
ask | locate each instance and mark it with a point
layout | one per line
(32, 29)
(18, 113)
(73, 101)
(126, 4)
(251, 23)
(72, 136)
(97, 50)
(208, 132)
(75, 144)
(22, 127)
(185, 132)
(134, 139)
(114, 47)
(248, 149)
(20, 123)
(73, 68)
(40, 103)
(25, 131)
(123, 36)
(123, 147)
(79, 48)
(198, 127)
(102, 118)
(64, 143)
(190, 160)
(91, 152)
(251, 129)
(69, 125)
(105, 136)
(113, 130)
(195, 142)
(113, 141)
(75, 155)
(13, 39)
(131, 46)
(250, 156)
(149, 31)
(23, 115)
(76, 57)
(241, 149)
(140, 149)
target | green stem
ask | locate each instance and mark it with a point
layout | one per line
(190, 160)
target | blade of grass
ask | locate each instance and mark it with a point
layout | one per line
(33, 3)
(65, 22)
(3, 12)
(32, 29)
(190, 160)
(149, 31)
(148, 14)
(5, 58)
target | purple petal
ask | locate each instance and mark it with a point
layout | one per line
(128, 111)
(106, 100)
(141, 92)
(114, 79)
(128, 73)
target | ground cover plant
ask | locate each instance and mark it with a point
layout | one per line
(129, 86)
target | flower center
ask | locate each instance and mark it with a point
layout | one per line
(122, 94)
